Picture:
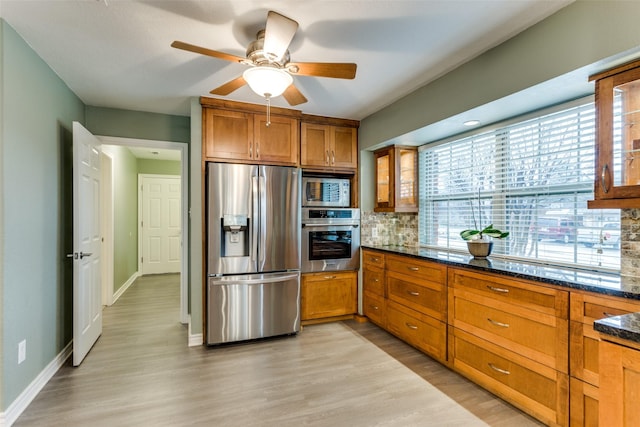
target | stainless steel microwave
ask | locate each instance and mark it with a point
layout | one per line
(326, 192)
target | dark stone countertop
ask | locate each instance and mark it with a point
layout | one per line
(625, 326)
(573, 278)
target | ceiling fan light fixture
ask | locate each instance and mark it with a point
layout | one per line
(267, 81)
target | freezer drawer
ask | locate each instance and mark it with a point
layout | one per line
(252, 306)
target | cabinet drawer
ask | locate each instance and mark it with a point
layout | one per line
(512, 292)
(373, 280)
(423, 332)
(421, 295)
(584, 404)
(587, 308)
(540, 337)
(374, 307)
(373, 258)
(584, 351)
(537, 389)
(424, 270)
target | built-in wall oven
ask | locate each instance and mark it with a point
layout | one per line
(330, 239)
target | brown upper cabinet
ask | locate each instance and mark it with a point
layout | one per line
(617, 170)
(328, 144)
(241, 134)
(396, 184)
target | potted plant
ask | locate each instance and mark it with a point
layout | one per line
(479, 241)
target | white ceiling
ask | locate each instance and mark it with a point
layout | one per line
(116, 53)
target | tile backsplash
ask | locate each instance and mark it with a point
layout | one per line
(382, 228)
(402, 229)
(630, 242)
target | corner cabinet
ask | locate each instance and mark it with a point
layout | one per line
(234, 132)
(328, 144)
(396, 184)
(617, 170)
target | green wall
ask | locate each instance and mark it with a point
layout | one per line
(544, 65)
(37, 219)
(137, 124)
(159, 167)
(125, 214)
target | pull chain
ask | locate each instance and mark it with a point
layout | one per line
(268, 96)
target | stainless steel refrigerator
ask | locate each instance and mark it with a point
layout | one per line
(253, 244)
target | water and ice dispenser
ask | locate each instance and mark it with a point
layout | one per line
(235, 229)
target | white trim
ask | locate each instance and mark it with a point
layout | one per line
(125, 286)
(195, 340)
(18, 406)
(184, 176)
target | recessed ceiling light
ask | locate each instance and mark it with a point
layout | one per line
(471, 122)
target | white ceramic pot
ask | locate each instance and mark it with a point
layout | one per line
(480, 248)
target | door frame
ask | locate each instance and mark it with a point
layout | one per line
(184, 188)
(141, 177)
(106, 224)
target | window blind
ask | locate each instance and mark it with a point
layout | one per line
(532, 179)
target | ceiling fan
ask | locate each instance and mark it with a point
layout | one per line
(271, 70)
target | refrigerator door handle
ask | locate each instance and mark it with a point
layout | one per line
(258, 280)
(263, 220)
(255, 232)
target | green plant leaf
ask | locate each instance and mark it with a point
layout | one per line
(468, 234)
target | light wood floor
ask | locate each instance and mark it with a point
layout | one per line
(141, 373)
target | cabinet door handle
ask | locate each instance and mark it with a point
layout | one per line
(327, 162)
(605, 169)
(413, 268)
(251, 150)
(608, 314)
(502, 371)
(501, 290)
(376, 280)
(413, 293)
(257, 151)
(374, 259)
(333, 157)
(502, 325)
(329, 277)
(375, 307)
(410, 326)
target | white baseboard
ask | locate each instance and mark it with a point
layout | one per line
(194, 339)
(18, 406)
(126, 286)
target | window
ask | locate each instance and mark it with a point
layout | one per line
(532, 179)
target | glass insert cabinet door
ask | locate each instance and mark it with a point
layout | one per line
(617, 170)
(396, 179)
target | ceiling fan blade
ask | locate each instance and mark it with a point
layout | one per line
(278, 34)
(204, 51)
(229, 86)
(293, 95)
(337, 70)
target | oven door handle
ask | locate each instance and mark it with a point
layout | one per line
(330, 225)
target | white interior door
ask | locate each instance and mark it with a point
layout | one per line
(87, 292)
(161, 224)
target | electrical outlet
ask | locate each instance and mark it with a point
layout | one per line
(374, 232)
(22, 351)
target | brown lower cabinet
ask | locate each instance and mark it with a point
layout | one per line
(532, 344)
(585, 351)
(328, 295)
